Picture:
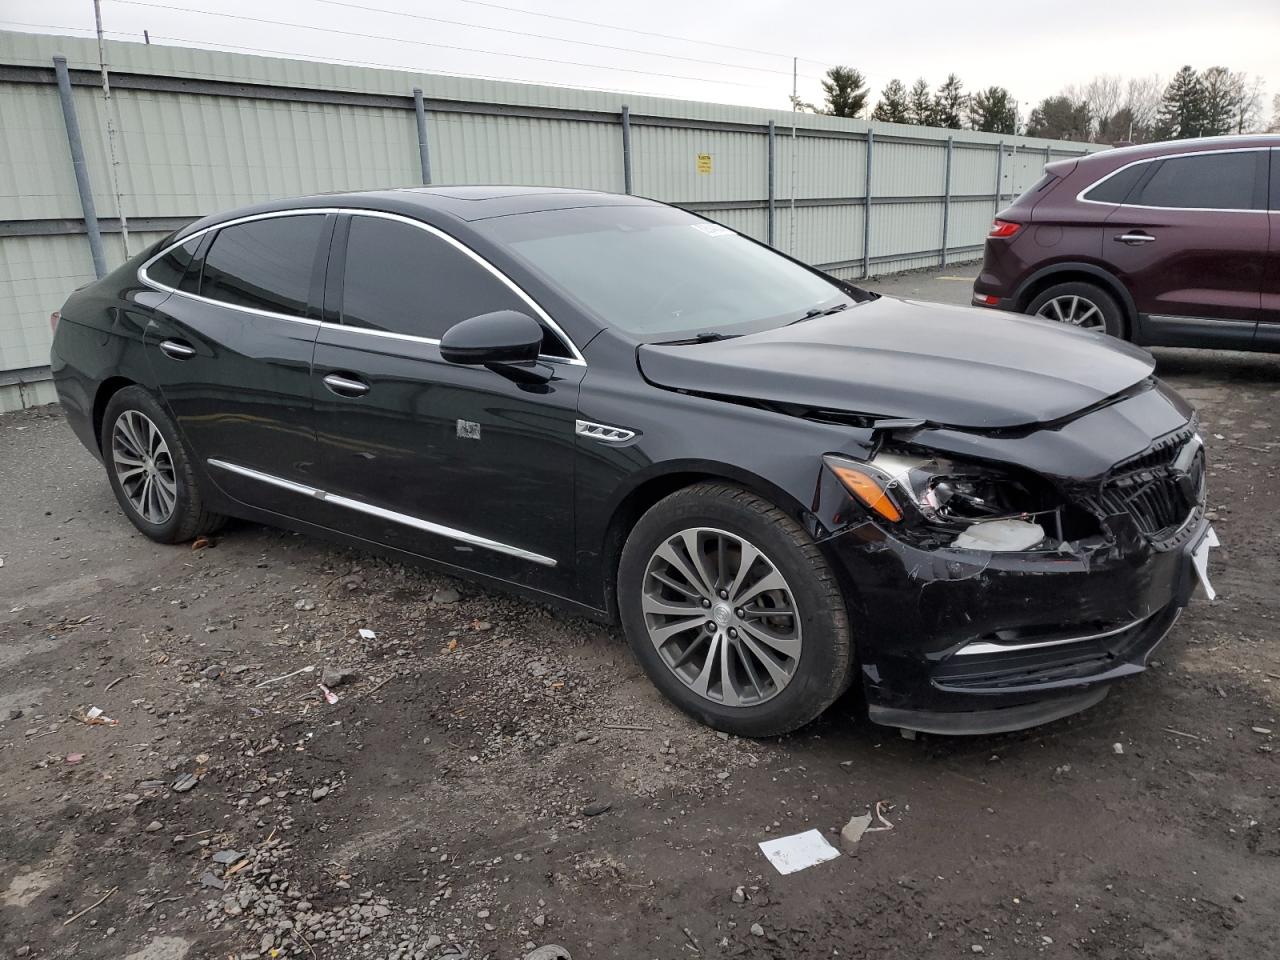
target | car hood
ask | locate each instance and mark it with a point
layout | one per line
(954, 366)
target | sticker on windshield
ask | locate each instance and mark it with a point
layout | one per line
(713, 229)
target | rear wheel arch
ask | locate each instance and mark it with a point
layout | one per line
(1058, 273)
(106, 390)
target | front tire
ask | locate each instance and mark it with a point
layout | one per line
(734, 612)
(1080, 304)
(150, 469)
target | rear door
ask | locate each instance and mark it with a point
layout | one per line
(1190, 242)
(231, 351)
(457, 463)
(1268, 335)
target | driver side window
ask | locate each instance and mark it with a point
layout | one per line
(401, 279)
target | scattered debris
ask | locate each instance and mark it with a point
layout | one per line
(595, 808)
(95, 717)
(1188, 736)
(96, 903)
(854, 829)
(184, 783)
(208, 879)
(117, 680)
(446, 595)
(319, 793)
(228, 857)
(285, 676)
(798, 851)
(155, 826)
(367, 634)
(330, 697)
(739, 895)
(337, 676)
(626, 726)
(1262, 730)
(757, 930)
(203, 542)
(1117, 748)
(552, 951)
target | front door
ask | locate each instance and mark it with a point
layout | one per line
(1190, 243)
(231, 352)
(456, 463)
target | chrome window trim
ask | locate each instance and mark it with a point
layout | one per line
(978, 648)
(1174, 156)
(576, 360)
(382, 513)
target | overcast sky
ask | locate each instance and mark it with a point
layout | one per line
(1033, 47)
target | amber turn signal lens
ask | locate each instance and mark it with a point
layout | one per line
(866, 487)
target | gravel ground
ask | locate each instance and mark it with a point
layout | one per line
(496, 779)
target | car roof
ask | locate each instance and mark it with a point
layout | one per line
(1142, 151)
(466, 202)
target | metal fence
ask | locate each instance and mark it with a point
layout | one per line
(200, 131)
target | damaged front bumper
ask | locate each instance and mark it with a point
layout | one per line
(965, 641)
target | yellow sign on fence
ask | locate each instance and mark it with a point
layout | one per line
(704, 163)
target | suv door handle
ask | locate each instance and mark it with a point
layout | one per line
(1134, 239)
(346, 386)
(177, 350)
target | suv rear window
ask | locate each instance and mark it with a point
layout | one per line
(1217, 181)
(1116, 187)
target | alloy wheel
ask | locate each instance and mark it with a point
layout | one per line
(144, 466)
(721, 616)
(1075, 310)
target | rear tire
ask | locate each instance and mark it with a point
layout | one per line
(756, 649)
(1080, 304)
(150, 470)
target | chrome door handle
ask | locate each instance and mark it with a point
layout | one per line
(345, 386)
(176, 350)
(1133, 239)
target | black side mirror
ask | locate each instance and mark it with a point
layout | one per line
(504, 336)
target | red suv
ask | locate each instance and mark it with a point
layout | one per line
(1165, 244)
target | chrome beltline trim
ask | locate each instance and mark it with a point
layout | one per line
(980, 648)
(382, 513)
(577, 359)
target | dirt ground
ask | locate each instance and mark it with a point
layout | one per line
(447, 805)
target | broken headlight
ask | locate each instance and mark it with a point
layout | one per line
(944, 499)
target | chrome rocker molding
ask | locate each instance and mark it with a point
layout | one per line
(417, 523)
(981, 648)
(602, 432)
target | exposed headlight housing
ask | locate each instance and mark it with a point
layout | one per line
(941, 499)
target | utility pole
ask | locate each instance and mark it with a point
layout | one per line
(795, 90)
(111, 130)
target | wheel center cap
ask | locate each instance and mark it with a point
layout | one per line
(722, 614)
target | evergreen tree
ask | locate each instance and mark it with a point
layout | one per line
(949, 103)
(1059, 118)
(993, 110)
(1183, 110)
(846, 91)
(894, 105)
(920, 104)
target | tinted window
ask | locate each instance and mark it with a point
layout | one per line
(265, 264)
(403, 279)
(170, 269)
(662, 273)
(1117, 186)
(1224, 181)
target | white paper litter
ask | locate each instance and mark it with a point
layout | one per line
(798, 851)
(367, 634)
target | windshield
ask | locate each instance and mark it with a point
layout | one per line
(662, 274)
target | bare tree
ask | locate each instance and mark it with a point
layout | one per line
(1105, 96)
(1274, 126)
(1248, 110)
(1142, 101)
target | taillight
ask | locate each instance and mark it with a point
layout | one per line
(53, 320)
(1003, 229)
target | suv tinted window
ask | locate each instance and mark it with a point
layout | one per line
(264, 264)
(1117, 186)
(170, 269)
(1223, 181)
(402, 279)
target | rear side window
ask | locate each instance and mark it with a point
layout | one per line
(264, 264)
(402, 279)
(1116, 187)
(170, 269)
(1221, 181)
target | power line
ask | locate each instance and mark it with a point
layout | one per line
(205, 44)
(544, 36)
(427, 43)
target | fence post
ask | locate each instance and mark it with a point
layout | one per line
(424, 155)
(866, 209)
(626, 149)
(78, 165)
(773, 201)
(999, 175)
(946, 200)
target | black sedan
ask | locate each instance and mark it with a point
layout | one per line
(778, 483)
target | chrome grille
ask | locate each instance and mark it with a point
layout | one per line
(1159, 489)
